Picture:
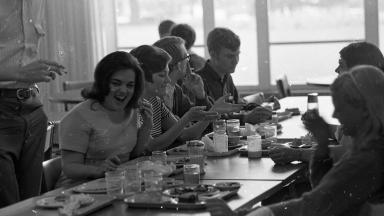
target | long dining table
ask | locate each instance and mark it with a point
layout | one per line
(259, 178)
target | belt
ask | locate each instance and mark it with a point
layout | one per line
(19, 93)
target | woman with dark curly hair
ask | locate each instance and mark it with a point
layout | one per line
(101, 132)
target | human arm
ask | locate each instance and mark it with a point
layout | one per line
(257, 115)
(218, 207)
(35, 72)
(284, 154)
(144, 133)
(75, 168)
(346, 186)
(74, 139)
(174, 128)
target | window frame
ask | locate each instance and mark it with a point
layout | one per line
(371, 24)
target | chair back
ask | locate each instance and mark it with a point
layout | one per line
(51, 171)
(283, 86)
(73, 85)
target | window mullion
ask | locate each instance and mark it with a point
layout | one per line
(263, 44)
(208, 20)
(371, 15)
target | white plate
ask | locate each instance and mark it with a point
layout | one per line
(94, 187)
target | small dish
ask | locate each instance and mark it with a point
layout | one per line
(227, 186)
(94, 187)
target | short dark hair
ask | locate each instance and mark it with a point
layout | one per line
(220, 38)
(152, 59)
(360, 53)
(174, 47)
(109, 65)
(165, 27)
(186, 32)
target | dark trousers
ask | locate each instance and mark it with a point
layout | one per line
(23, 127)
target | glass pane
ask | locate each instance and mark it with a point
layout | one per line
(239, 16)
(300, 62)
(138, 20)
(381, 25)
(307, 20)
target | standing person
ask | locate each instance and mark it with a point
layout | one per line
(23, 123)
(165, 27)
(186, 32)
(358, 177)
(224, 49)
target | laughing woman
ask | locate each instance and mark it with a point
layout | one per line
(342, 188)
(101, 132)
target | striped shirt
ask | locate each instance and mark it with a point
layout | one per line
(160, 115)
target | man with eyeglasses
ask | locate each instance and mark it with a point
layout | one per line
(224, 49)
(180, 73)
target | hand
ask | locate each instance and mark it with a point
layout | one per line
(257, 115)
(111, 163)
(221, 106)
(283, 154)
(316, 125)
(197, 113)
(146, 112)
(40, 71)
(218, 207)
(194, 83)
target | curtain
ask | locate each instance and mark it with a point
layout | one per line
(78, 34)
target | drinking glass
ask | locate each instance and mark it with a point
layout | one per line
(196, 153)
(159, 156)
(254, 146)
(313, 102)
(153, 181)
(191, 174)
(132, 179)
(233, 127)
(271, 133)
(220, 126)
(115, 183)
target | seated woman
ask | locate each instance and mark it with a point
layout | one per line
(352, 55)
(167, 128)
(342, 188)
(101, 132)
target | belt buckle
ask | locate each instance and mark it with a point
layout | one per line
(23, 94)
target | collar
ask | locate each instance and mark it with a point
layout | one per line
(213, 75)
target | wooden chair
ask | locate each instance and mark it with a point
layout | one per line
(51, 173)
(75, 85)
(283, 87)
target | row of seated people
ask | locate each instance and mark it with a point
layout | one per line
(138, 105)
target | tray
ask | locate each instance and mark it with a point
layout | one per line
(100, 201)
(159, 200)
(57, 201)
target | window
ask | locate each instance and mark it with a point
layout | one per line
(138, 20)
(299, 38)
(306, 36)
(239, 16)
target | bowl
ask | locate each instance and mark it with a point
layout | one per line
(233, 140)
